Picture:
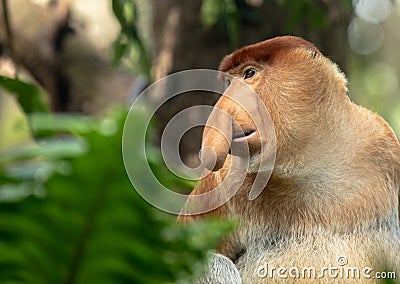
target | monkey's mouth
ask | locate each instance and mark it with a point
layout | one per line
(243, 136)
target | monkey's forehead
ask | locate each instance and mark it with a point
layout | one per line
(264, 51)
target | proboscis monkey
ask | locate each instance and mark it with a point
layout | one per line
(330, 210)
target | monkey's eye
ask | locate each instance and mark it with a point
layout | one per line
(227, 82)
(248, 73)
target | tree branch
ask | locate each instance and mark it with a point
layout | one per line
(7, 25)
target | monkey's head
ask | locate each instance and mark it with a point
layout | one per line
(298, 87)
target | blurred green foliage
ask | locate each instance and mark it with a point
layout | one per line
(226, 13)
(309, 11)
(68, 213)
(129, 43)
(375, 84)
(230, 15)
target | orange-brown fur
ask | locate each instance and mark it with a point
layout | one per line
(335, 184)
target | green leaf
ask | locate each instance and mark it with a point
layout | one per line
(70, 123)
(120, 48)
(48, 149)
(29, 96)
(118, 9)
(130, 39)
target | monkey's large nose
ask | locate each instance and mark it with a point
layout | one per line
(215, 147)
(209, 159)
(217, 137)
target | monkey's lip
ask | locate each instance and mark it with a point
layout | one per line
(244, 136)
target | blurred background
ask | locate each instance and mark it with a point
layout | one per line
(69, 70)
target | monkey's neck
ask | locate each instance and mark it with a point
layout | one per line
(341, 181)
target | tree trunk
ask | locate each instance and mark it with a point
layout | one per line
(77, 76)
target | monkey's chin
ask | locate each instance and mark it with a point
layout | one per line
(254, 164)
(251, 165)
